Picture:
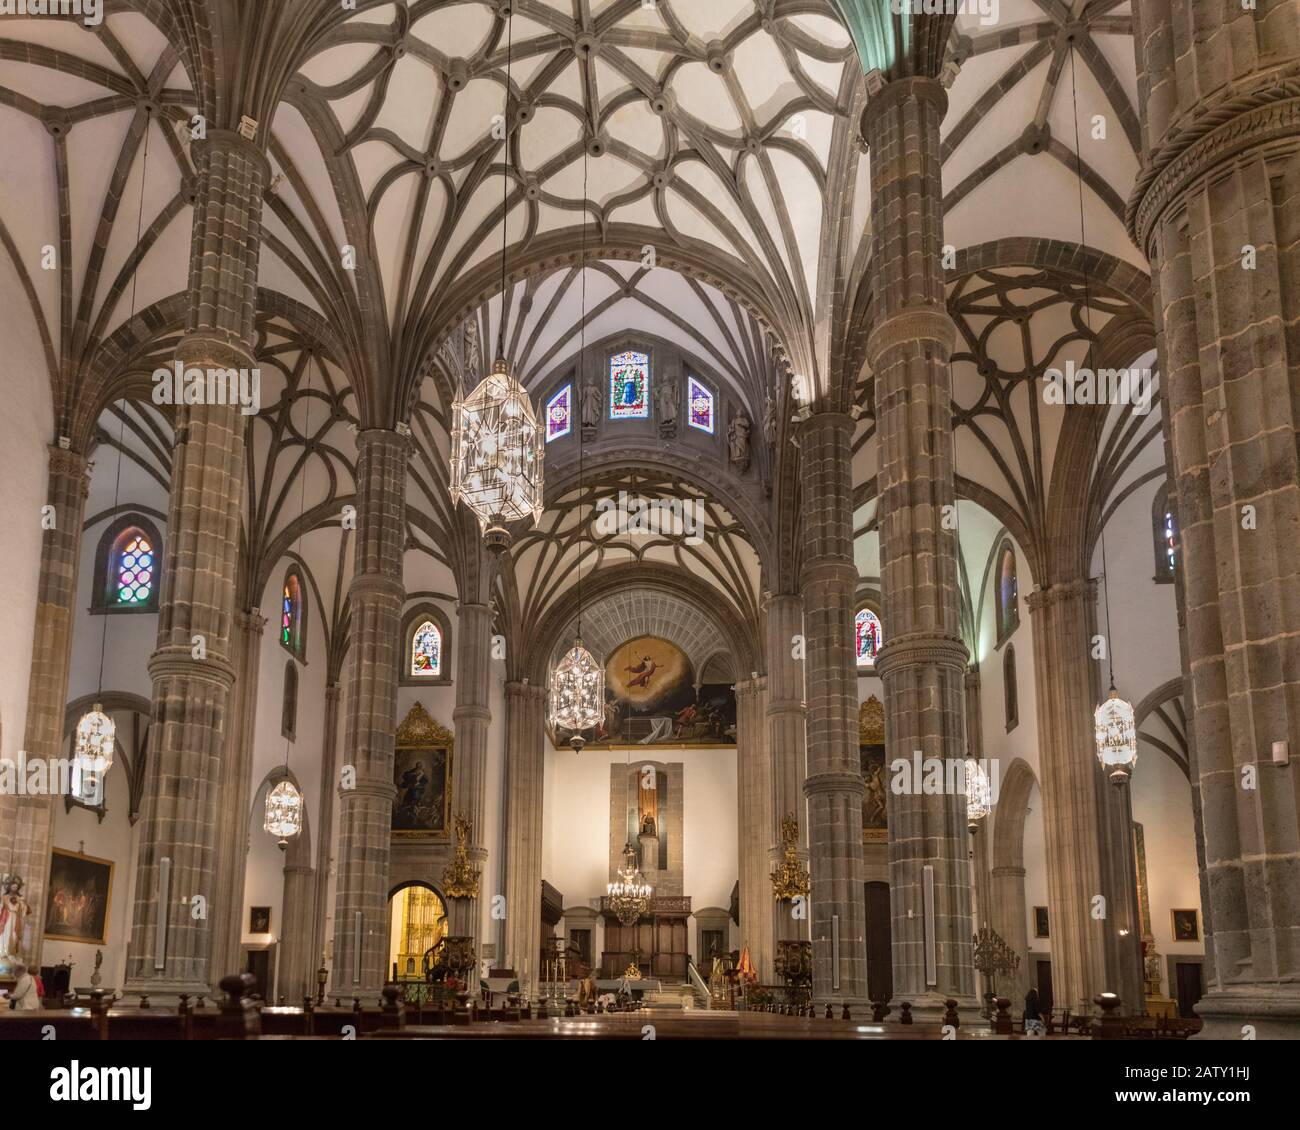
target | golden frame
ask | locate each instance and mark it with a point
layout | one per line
(1174, 912)
(417, 732)
(108, 898)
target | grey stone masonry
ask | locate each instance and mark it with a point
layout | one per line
(192, 667)
(754, 798)
(525, 771)
(786, 752)
(834, 784)
(236, 791)
(923, 662)
(472, 717)
(26, 822)
(366, 809)
(1217, 210)
(1089, 852)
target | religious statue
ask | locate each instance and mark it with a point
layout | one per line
(667, 399)
(96, 977)
(738, 441)
(590, 405)
(648, 825)
(769, 420)
(13, 916)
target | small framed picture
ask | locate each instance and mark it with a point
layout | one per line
(1040, 922)
(259, 919)
(1186, 925)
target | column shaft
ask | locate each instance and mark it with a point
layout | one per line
(28, 820)
(834, 783)
(922, 664)
(754, 797)
(786, 733)
(472, 717)
(525, 771)
(366, 810)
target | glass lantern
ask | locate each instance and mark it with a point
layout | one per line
(1116, 733)
(497, 445)
(283, 813)
(95, 739)
(577, 693)
(979, 794)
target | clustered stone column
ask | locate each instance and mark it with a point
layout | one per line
(192, 668)
(786, 720)
(923, 662)
(472, 717)
(329, 780)
(297, 973)
(236, 787)
(1089, 851)
(834, 784)
(754, 797)
(26, 821)
(366, 808)
(1217, 209)
(525, 770)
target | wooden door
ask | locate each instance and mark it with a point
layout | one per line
(880, 958)
(1044, 973)
(1188, 977)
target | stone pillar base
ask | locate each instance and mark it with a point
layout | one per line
(1273, 1011)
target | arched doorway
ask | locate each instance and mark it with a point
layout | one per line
(417, 921)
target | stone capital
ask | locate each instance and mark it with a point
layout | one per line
(913, 324)
(231, 141)
(839, 784)
(886, 96)
(174, 661)
(251, 620)
(1082, 590)
(921, 650)
(377, 586)
(526, 691)
(65, 463)
(1239, 121)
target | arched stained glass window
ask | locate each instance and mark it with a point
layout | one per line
(1010, 691)
(559, 414)
(134, 560)
(629, 386)
(1007, 593)
(292, 614)
(866, 636)
(426, 651)
(700, 400)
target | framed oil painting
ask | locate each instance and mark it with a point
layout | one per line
(651, 699)
(78, 899)
(1040, 922)
(259, 919)
(422, 760)
(871, 755)
(1186, 925)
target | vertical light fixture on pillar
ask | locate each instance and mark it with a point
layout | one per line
(578, 681)
(497, 443)
(1115, 729)
(96, 733)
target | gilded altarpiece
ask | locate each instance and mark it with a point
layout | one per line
(422, 777)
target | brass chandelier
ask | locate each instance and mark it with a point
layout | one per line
(629, 898)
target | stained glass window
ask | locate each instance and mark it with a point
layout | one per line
(866, 636)
(1171, 542)
(133, 568)
(701, 405)
(629, 386)
(426, 650)
(559, 414)
(291, 614)
(1008, 593)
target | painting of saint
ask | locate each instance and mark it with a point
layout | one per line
(77, 906)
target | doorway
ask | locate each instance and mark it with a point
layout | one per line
(1187, 982)
(880, 958)
(1043, 971)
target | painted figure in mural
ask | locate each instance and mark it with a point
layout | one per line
(873, 806)
(642, 672)
(414, 782)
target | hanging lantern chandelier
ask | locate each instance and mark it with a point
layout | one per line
(283, 813)
(629, 898)
(1116, 733)
(497, 443)
(95, 739)
(577, 694)
(496, 455)
(979, 795)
